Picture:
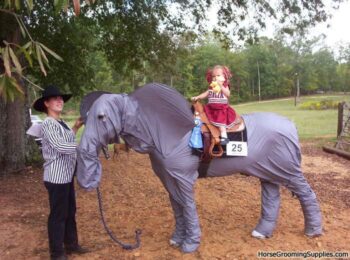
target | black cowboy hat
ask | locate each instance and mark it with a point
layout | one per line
(49, 91)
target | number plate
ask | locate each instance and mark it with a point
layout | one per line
(237, 149)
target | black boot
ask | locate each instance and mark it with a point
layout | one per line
(61, 257)
(76, 250)
(224, 140)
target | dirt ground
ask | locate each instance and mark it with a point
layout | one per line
(133, 197)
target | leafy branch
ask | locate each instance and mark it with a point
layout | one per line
(11, 53)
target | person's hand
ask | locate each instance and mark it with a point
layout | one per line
(194, 99)
(78, 123)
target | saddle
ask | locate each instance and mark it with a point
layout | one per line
(211, 133)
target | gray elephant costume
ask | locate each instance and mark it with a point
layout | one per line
(157, 120)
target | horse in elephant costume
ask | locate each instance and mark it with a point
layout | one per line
(157, 120)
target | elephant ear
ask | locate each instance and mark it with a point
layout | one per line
(167, 114)
(87, 102)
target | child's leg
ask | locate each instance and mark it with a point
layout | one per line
(224, 140)
(223, 132)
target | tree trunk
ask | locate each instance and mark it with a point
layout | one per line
(12, 144)
(15, 146)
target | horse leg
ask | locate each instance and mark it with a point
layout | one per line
(115, 151)
(270, 204)
(193, 232)
(179, 235)
(178, 175)
(309, 204)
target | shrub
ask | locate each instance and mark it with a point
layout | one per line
(319, 105)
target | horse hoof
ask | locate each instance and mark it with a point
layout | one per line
(189, 248)
(313, 232)
(313, 235)
(174, 243)
(258, 235)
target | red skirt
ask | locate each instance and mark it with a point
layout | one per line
(220, 114)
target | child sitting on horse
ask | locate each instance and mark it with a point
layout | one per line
(218, 110)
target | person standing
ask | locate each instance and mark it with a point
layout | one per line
(59, 152)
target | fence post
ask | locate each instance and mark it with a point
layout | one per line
(340, 118)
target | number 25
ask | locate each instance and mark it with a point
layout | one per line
(237, 148)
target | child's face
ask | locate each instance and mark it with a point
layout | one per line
(218, 76)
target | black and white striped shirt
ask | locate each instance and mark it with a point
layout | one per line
(59, 152)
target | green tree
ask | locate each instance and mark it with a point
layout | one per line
(343, 72)
(325, 69)
(343, 69)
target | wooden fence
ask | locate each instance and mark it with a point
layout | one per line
(342, 146)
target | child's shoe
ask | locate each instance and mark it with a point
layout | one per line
(224, 140)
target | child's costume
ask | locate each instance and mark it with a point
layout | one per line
(218, 110)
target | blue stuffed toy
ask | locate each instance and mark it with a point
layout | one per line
(196, 136)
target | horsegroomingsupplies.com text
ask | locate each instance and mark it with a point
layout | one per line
(303, 254)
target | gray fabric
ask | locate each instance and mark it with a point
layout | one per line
(178, 173)
(274, 157)
(157, 120)
(270, 203)
(153, 117)
(165, 114)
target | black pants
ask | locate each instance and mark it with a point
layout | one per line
(61, 225)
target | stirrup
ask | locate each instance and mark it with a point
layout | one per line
(215, 142)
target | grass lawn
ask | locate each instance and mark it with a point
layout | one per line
(311, 124)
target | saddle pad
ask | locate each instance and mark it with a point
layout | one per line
(203, 166)
(236, 136)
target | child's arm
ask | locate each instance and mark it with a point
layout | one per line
(226, 91)
(201, 96)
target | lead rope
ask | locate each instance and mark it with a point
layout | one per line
(109, 232)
